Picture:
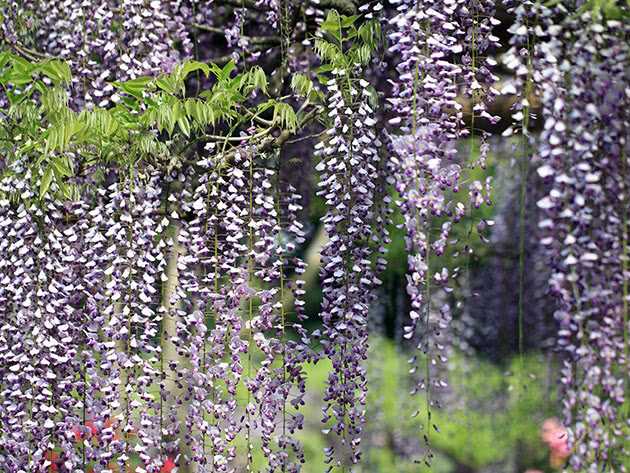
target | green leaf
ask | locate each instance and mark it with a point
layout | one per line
(40, 86)
(51, 140)
(110, 125)
(265, 105)
(197, 111)
(22, 65)
(168, 84)
(44, 185)
(284, 115)
(166, 118)
(192, 66)
(324, 68)
(227, 70)
(370, 33)
(301, 85)
(348, 21)
(5, 57)
(223, 74)
(19, 72)
(131, 103)
(190, 106)
(257, 79)
(332, 25)
(134, 87)
(201, 113)
(18, 79)
(61, 167)
(178, 110)
(58, 71)
(184, 125)
(328, 52)
(363, 54)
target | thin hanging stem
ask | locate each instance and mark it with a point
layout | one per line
(524, 171)
(282, 307)
(250, 308)
(624, 274)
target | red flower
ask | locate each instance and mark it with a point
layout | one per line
(94, 430)
(90, 425)
(168, 466)
(52, 457)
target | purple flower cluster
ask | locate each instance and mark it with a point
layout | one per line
(130, 318)
(37, 326)
(79, 318)
(242, 237)
(348, 184)
(237, 20)
(105, 41)
(441, 49)
(585, 160)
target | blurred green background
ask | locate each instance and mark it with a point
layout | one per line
(490, 422)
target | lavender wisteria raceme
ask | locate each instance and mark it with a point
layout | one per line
(525, 32)
(213, 274)
(40, 325)
(235, 21)
(124, 296)
(243, 249)
(585, 160)
(348, 179)
(132, 321)
(94, 260)
(229, 291)
(271, 244)
(437, 46)
(103, 41)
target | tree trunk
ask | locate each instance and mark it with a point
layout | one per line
(169, 350)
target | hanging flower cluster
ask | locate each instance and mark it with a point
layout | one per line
(347, 182)
(240, 231)
(584, 159)
(272, 10)
(251, 28)
(433, 67)
(104, 41)
(522, 89)
(179, 285)
(526, 35)
(38, 325)
(119, 358)
(152, 306)
(90, 268)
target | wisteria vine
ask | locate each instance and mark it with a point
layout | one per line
(152, 279)
(584, 158)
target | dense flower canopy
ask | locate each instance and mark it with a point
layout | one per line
(152, 220)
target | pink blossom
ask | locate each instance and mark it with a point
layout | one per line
(554, 434)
